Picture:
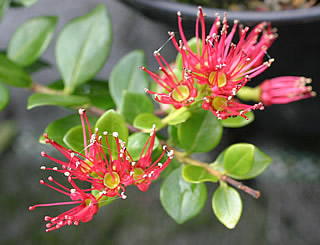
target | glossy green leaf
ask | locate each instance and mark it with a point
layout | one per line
(238, 122)
(177, 116)
(200, 133)
(135, 104)
(83, 47)
(111, 122)
(227, 205)
(261, 162)
(127, 75)
(4, 96)
(4, 4)
(104, 201)
(136, 143)
(173, 136)
(36, 66)
(196, 174)
(26, 3)
(74, 139)
(12, 74)
(31, 39)
(239, 158)
(182, 200)
(36, 100)
(146, 121)
(193, 45)
(56, 130)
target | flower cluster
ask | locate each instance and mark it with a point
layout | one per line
(216, 68)
(106, 176)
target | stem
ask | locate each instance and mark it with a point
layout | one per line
(184, 159)
(38, 88)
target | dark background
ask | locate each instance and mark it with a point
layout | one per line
(287, 213)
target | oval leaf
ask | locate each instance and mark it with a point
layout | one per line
(227, 205)
(238, 122)
(36, 100)
(196, 174)
(146, 121)
(38, 65)
(182, 200)
(200, 133)
(127, 75)
(261, 162)
(74, 138)
(25, 3)
(4, 4)
(12, 74)
(4, 96)
(136, 143)
(238, 159)
(135, 104)
(177, 116)
(57, 129)
(83, 46)
(31, 39)
(110, 122)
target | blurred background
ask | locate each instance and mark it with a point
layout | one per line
(287, 212)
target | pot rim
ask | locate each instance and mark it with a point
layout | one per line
(295, 16)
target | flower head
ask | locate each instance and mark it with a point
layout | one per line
(286, 89)
(88, 206)
(177, 92)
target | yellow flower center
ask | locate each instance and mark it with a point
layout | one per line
(180, 93)
(111, 181)
(88, 202)
(219, 103)
(137, 174)
(222, 79)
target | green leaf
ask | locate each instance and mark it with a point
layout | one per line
(37, 66)
(26, 3)
(127, 75)
(182, 200)
(174, 164)
(196, 174)
(12, 74)
(193, 45)
(74, 138)
(4, 96)
(8, 133)
(173, 136)
(238, 122)
(36, 100)
(146, 121)
(83, 47)
(31, 39)
(104, 201)
(239, 158)
(177, 116)
(135, 104)
(4, 4)
(227, 205)
(200, 133)
(136, 143)
(110, 122)
(57, 129)
(261, 162)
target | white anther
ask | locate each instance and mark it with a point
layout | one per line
(100, 137)
(164, 147)
(230, 97)
(55, 168)
(123, 196)
(146, 90)
(160, 164)
(133, 163)
(144, 176)
(73, 190)
(67, 174)
(77, 164)
(81, 111)
(72, 154)
(131, 173)
(43, 167)
(115, 134)
(105, 133)
(121, 155)
(150, 175)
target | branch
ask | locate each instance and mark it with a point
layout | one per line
(184, 159)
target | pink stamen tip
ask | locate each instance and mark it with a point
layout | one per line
(45, 135)
(50, 178)
(47, 218)
(43, 154)
(31, 208)
(42, 182)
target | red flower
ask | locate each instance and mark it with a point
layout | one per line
(83, 212)
(177, 92)
(222, 66)
(283, 90)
